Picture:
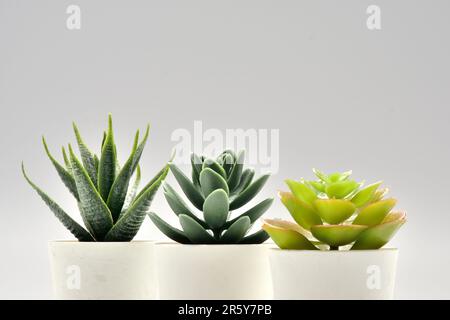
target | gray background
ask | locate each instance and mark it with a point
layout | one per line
(342, 96)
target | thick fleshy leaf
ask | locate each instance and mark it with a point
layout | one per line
(94, 211)
(128, 225)
(374, 213)
(338, 176)
(131, 194)
(254, 213)
(334, 211)
(215, 166)
(255, 238)
(249, 193)
(108, 163)
(215, 209)
(303, 213)
(337, 235)
(379, 235)
(301, 191)
(228, 161)
(65, 175)
(196, 163)
(78, 231)
(363, 196)
(66, 160)
(178, 206)
(171, 232)
(87, 157)
(317, 185)
(236, 231)
(341, 189)
(379, 194)
(191, 192)
(287, 235)
(246, 179)
(211, 180)
(119, 189)
(236, 172)
(194, 231)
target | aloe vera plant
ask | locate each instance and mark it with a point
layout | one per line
(335, 211)
(218, 187)
(108, 201)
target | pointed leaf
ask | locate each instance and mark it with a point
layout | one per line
(249, 193)
(236, 172)
(215, 209)
(210, 181)
(254, 213)
(341, 189)
(301, 191)
(318, 186)
(128, 225)
(108, 163)
(334, 211)
(119, 189)
(236, 231)
(379, 235)
(255, 238)
(86, 156)
(374, 213)
(322, 176)
(78, 231)
(365, 195)
(188, 187)
(197, 164)
(337, 235)
(131, 195)
(65, 176)
(178, 206)
(171, 232)
(194, 231)
(303, 213)
(66, 161)
(94, 211)
(286, 235)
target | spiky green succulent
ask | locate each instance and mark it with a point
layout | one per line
(110, 207)
(217, 188)
(335, 211)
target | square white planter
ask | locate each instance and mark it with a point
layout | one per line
(323, 275)
(103, 270)
(213, 272)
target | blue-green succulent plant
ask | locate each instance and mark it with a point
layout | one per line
(218, 187)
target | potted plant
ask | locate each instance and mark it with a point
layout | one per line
(333, 249)
(103, 263)
(216, 258)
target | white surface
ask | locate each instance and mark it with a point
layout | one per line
(303, 275)
(107, 270)
(213, 271)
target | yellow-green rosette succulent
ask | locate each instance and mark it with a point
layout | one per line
(335, 211)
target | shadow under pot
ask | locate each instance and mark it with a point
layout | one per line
(103, 270)
(338, 275)
(213, 272)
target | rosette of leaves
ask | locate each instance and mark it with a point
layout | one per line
(108, 201)
(335, 211)
(218, 187)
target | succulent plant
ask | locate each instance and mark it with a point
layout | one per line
(110, 207)
(335, 211)
(218, 187)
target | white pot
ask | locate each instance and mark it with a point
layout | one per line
(359, 274)
(103, 270)
(213, 272)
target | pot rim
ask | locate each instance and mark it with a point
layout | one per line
(331, 252)
(176, 244)
(100, 243)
